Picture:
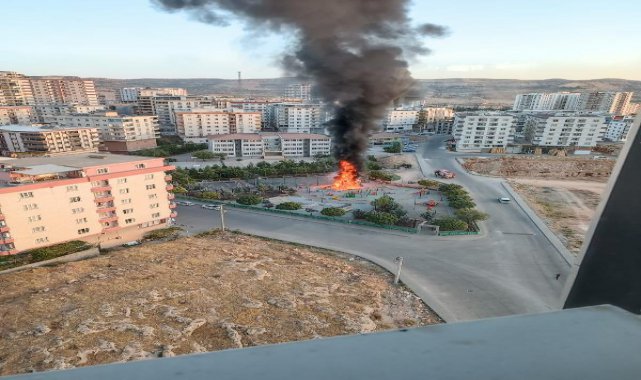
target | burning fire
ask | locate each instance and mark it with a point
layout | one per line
(347, 177)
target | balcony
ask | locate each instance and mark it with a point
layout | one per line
(172, 205)
(111, 227)
(173, 214)
(7, 240)
(4, 228)
(170, 187)
(2, 217)
(168, 178)
(108, 219)
(101, 189)
(171, 196)
(104, 198)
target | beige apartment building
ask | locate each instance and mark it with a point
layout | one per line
(99, 198)
(30, 139)
(118, 133)
(197, 125)
(63, 89)
(22, 115)
(15, 89)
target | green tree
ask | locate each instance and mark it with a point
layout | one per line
(387, 204)
(249, 199)
(394, 147)
(450, 223)
(289, 206)
(204, 155)
(379, 217)
(471, 215)
(429, 183)
(179, 190)
(333, 211)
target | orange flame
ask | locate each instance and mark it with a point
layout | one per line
(347, 177)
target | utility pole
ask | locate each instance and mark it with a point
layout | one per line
(222, 218)
(399, 261)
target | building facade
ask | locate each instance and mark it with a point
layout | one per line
(562, 129)
(102, 199)
(618, 128)
(30, 139)
(15, 89)
(483, 131)
(296, 117)
(270, 145)
(301, 91)
(400, 119)
(63, 90)
(196, 125)
(616, 103)
(21, 115)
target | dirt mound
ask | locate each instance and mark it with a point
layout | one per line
(541, 167)
(192, 295)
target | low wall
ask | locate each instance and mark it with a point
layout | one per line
(87, 253)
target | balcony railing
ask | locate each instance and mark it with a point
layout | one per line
(170, 187)
(104, 198)
(101, 188)
(171, 196)
(173, 214)
(168, 178)
(172, 205)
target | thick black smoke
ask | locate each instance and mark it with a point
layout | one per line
(354, 50)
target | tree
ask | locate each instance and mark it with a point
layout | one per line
(461, 202)
(289, 206)
(249, 199)
(333, 211)
(380, 217)
(429, 183)
(204, 155)
(450, 223)
(394, 147)
(387, 204)
(470, 215)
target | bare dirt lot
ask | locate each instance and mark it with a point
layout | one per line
(567, 207)
(203, 293)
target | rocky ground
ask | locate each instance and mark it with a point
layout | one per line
(192, 295)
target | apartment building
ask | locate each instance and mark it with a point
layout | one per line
(296, 117)
(443, 126)
(482, 131)
(265, 107)
(15, 89)
(582, 129)
(22, 115)
(99, 198)
(270, 145)
(618, 128)
(63, 89)
(400, 119)
(616, 103)
(301, 91)
(41, 140)
(197, 124)
(46, 111)
(118, 133)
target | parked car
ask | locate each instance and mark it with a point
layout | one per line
(504, 200)
(185, 203)
(211, 207)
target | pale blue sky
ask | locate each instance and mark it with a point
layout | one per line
(574, 39)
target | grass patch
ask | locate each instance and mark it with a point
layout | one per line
(42, 254)
(163, 233)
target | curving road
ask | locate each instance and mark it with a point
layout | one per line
(509, 269)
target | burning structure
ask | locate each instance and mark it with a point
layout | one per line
(355, 51)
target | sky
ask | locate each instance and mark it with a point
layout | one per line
(571, 39)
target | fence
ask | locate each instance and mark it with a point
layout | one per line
(318, 217)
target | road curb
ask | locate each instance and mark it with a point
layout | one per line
(547, 232)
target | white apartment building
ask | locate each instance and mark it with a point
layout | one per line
(618, 128)
(46, 111)
(539, 101)
(482, 131)
(166, 106)
(265, 107)
(296, 117)
(270, 145)
(400, 119)
(22, 115)
(63, 89)
(582, 129)
(197, 124)
(45, 140)
(299, 91)
(117, 133)
(15, 89)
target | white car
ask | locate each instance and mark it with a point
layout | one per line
(211, 207)
(185, 203)
(504, 200)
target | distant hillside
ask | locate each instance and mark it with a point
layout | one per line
(449, 91)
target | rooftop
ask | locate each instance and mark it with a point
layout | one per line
(33, 128)
(259, 136)
(80, 160)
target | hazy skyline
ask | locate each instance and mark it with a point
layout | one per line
(133, 39)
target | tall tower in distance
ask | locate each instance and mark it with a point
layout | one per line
(240, 81)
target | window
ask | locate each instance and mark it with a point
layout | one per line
(155, 215)
(140, 166)
(102, 171)
(130, 220)
(154, 205)
(83, 231)
(27, 194)
(72, 188)
(124, 191)
(126, 201)
(81, 220)
(74, 199)
(31, 206)
(35, 218)
(149, 176)
(153, 196)
(128, 211)
(150, 187)
(38, 229)
(77, 210)
(42, 240)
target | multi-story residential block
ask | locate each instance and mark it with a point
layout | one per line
(15, 89)
(633, 109)
(434, 114)
(45, 140)
(118, 133)
(45, 111)
(197, 124)
(400, 119)
(99, 198)
(21, 115)
(481, 131)
(270, 145)
(582, 129)
(611, 102)
(63, 89)
(443, 126)
(299, 91)
(166, 106)
(546, 101)
(265, 107)
(618, 128)
(296, 117)
(128, 94)
(384, 138)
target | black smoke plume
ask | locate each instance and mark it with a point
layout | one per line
(354, 50)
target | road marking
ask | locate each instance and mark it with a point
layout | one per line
(519, 233)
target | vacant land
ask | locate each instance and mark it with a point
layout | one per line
(205, 293)
(567, 207)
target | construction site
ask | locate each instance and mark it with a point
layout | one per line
(563, 191)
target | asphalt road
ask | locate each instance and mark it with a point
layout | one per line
(509, 269)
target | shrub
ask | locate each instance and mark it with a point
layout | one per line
(53, 251)
(372, 158)
(388, 204)
(381, 175)
(210, 195)
(379, 217)
(333, 211)
(428, 215)
(289, 206)
(162, 233)
(461, 202)
(359, 214)
(450, 223)
(471, 215)
(373, 165)
(249, 199)
(394, 147)
(429, 183)
(204, 155)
